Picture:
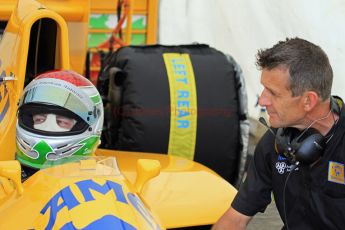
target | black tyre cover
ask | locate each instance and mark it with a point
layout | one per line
(143, 117)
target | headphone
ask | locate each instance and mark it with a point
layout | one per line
(307, 146)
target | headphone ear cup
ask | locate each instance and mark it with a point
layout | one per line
(311, 148)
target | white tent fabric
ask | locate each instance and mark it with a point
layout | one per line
(240, 28)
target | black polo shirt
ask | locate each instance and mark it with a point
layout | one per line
(314, 196)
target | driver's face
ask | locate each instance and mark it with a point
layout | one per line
(62, 121)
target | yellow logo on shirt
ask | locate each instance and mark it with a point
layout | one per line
(336, 172)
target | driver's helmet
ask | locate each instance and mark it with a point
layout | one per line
(60, 114)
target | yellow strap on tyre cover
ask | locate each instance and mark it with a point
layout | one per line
(183, 105)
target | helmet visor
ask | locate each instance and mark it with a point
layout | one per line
(52, 95)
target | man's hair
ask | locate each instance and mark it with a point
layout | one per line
(308, 66)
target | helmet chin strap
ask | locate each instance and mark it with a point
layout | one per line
(50, 125)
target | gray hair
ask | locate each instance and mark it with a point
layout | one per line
(308, 66)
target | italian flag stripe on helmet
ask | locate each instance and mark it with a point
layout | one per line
(66, 76)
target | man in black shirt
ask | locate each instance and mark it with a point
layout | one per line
(301, 160)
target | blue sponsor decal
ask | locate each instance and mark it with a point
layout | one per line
(104, 223)
(66, 198)
(281, 158)
(4, 110)
(87, 185)
(3, 95)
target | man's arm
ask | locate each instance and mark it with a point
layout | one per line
(232, 220)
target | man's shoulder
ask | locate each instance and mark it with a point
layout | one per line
(267, 140)
(265, 148)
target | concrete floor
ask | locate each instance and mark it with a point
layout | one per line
(270, 220)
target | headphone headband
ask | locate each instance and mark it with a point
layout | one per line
(336, 104)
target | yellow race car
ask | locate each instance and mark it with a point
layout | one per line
(122, 192)
(111, 190)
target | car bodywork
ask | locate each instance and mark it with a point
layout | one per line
(122, 190)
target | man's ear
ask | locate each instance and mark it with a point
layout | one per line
(310, 99)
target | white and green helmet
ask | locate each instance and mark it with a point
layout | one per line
(60, 114)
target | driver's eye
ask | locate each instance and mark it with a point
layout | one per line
(39, 118)
(65, 122)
